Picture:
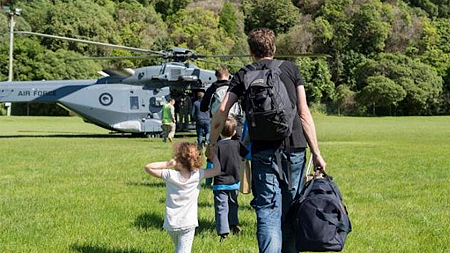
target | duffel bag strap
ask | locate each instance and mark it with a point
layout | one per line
(341, 224)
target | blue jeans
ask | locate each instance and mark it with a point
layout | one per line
(272, 198)
(202, 128)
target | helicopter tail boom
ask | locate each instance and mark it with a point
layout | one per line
(40, 91)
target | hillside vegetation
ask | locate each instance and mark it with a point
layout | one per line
(386, 57)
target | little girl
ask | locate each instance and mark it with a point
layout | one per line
(182, 189)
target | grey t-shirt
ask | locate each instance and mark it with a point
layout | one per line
(181, 199)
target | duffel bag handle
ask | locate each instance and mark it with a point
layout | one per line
(309, 169)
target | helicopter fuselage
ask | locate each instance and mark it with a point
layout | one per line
(126, 101)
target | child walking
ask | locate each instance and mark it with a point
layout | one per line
(226, 185)
(182, 189)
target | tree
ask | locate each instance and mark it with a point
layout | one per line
(139, 26)
(228, 19)
(170, 7)
(198, 29)
(277, 15)
(336, 39)
(426, 5)
(421, 82)
(318, 85)
(406, 29)
(344, 98)
(370, 32)
(350, 62)
(381, 92)
(309, 6)
(4, 48)
(82, 19)
(300, 39)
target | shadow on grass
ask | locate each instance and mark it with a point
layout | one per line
(59, 134)
(149, 220)
(147, 184)
(205, 226)
(100, 136)
(246, 207)
(204, 204)
(98, 249)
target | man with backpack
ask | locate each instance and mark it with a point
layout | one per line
(272, 91)
(214, 96)
(209, 100)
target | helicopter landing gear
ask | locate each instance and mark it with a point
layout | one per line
(152, 135)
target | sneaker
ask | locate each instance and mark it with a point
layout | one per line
(235, 229)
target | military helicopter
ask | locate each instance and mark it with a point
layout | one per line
(127, 100)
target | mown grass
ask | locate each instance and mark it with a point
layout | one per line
(67, 186)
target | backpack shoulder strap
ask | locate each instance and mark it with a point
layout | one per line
(276, 63)
(246, 69)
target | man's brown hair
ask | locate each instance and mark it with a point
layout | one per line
(222, 73)
(229, 127)
(261, 42)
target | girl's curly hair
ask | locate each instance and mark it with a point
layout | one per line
(188, 155)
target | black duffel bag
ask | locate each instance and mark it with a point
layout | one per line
(319, 217)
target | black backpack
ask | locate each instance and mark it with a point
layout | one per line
(268, 109)
(319, 217)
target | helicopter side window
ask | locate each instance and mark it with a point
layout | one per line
(134, 103)
(158, 101)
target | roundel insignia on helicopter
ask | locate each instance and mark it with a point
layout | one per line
(105, 99)
(141, 75)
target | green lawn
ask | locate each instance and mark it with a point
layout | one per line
(68, 186)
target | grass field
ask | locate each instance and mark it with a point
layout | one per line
(68, 186)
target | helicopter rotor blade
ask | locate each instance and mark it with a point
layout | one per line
(302, 55)
(125, 72)
(90, 42)
(197, 56)
(106, 58)
(219, 63)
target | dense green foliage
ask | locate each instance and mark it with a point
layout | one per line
(366, 40)
(396, 39)
(70, 187)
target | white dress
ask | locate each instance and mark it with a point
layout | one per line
(181, 199)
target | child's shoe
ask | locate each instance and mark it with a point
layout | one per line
(235, 229)
(223, 237)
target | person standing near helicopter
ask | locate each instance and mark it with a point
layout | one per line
(168, 120)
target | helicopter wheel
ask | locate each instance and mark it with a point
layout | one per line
(151, 135)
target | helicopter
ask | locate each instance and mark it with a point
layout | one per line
(126, 100)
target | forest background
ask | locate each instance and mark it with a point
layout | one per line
(385, 57)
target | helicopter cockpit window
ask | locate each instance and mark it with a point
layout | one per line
(158, 101)
(134, 103)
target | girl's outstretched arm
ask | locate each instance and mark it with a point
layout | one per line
(155, 168)
(215, 171)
